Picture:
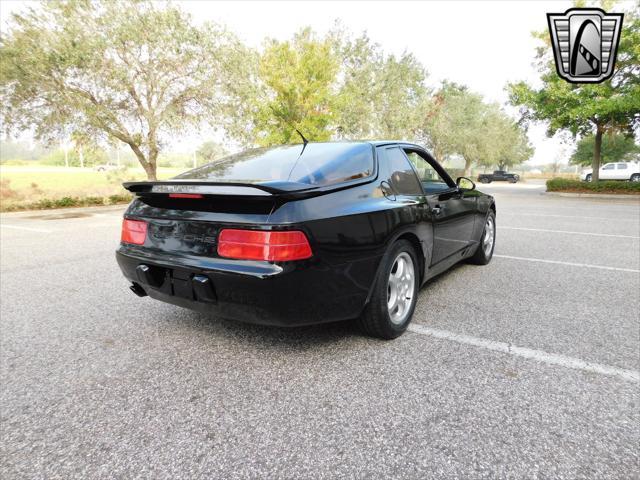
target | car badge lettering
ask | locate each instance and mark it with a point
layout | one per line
(175, 188)
(184, 237)
(585, 43)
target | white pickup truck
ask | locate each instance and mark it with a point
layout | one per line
(615, 171)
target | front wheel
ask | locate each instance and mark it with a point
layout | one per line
(589, 177)
(393, 300)
(635, 177)
(484, 253)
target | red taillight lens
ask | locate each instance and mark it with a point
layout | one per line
(263, 245)
(185, 195)
(134, 231)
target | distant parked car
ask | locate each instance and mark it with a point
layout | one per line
(106, 167)
(498, 176)
(615, 171)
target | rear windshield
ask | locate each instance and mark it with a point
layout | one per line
(319, 164)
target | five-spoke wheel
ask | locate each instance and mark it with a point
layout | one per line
(401, 288)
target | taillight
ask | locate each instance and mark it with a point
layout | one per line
(263, 245)
(134, 231)
(185, 195)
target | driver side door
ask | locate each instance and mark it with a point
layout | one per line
(452, 210)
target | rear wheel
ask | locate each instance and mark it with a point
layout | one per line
(635, 177)
(389, 311)
(484, 253)
(589, 177)
(485, 180)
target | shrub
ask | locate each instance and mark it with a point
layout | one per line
(16, 162)
(66, 202)
(120, 198)
(566, 185)
(6, 192)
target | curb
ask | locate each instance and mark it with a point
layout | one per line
(54, 211)
(593, 195)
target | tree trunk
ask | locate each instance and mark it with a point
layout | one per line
(467, 167)
(150, 169)
(149, 164)
(597, 149)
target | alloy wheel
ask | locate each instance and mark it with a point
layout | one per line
(489, 236)
(401, 288)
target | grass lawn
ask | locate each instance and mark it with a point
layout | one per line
(26, 185)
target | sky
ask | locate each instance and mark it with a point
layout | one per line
(481, 44)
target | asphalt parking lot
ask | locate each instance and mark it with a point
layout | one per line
(525, 368)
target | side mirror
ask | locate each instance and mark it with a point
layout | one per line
(464, 183)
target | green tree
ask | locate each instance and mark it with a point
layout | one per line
(399, 94)
(611, 106)
(458, 122)
(379, 96)
(505, 144)
(128, 70)
(615, 148)
(449, 120)
(453, 122)
(296, 79)
(331, 87)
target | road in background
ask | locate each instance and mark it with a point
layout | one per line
(99, 383)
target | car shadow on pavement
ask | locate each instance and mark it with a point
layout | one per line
(298, 338)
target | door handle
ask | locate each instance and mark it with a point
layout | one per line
(436, 210)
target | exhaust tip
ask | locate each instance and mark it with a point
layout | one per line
(138, 290)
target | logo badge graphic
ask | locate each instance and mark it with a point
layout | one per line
(585, 43)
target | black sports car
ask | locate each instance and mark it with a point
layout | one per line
(304, 234)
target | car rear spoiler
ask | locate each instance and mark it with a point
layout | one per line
(206, 188)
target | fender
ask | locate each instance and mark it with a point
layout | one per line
(425, 251)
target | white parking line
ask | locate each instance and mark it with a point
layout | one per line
(571, 264)
(538, 355)
(569, 232)
(520, 214)
(26, 229)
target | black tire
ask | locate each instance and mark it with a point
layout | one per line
(588, 178)
(485, 180)
(375, 320)
(635, 177)
(513, 180)
(483, 256)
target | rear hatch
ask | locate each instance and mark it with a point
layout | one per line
(185, 215)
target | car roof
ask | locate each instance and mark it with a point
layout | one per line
(375, 143)
(382, 143)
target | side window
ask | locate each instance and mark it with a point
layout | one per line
(431, 181)
(609, 166)
(622, 166)
(402, 178)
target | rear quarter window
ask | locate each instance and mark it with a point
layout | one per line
(402, 178)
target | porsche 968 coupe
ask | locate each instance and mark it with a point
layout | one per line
(304, 234)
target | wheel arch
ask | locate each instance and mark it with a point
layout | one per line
(412, 238)
(421, 250)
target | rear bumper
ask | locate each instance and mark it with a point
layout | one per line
(298, 293)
